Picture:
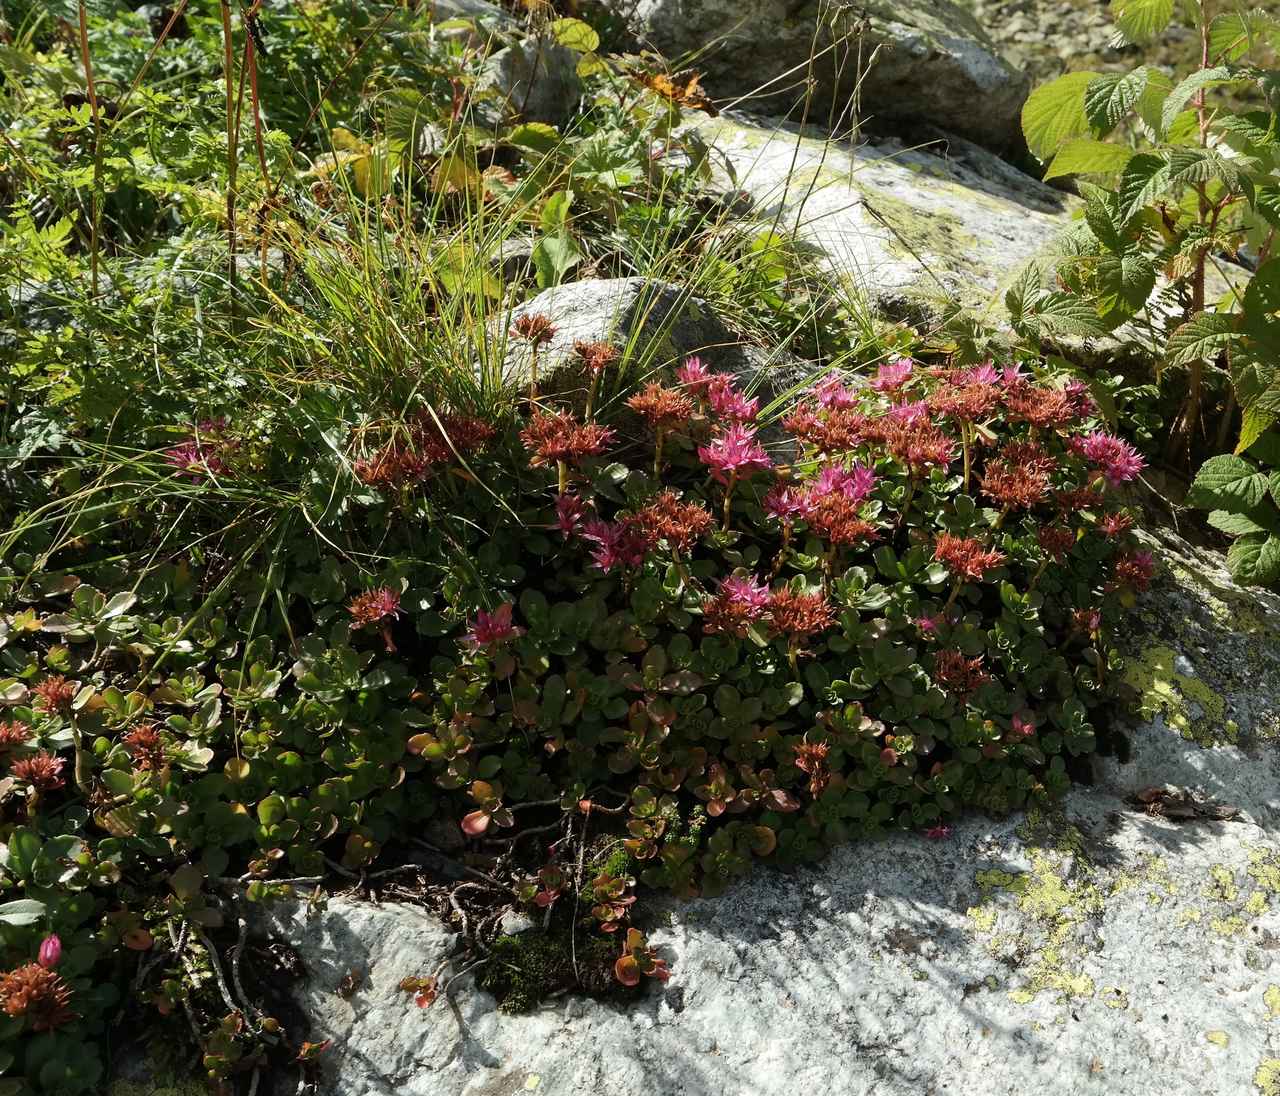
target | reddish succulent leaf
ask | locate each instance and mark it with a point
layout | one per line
(627, 971)
(475, 823)
(138, 940)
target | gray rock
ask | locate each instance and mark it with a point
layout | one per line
(513, 923)
(1105, 950)
(932, 62)
(537, 79)
(654, 324)
(904, 226)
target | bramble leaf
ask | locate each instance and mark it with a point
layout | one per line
(1139, 20)
(1054, 113)
(1228, 482)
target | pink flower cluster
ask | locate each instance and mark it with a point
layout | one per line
(201, 455)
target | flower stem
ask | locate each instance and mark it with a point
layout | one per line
(657, 452)
(955, 591)
(728, 498)
(964, 441)
(533, 375)
(591, 393)
(782, 551)
(562, 476)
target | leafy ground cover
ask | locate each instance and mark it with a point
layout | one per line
(302, 584)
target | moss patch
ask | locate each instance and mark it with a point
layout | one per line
(524, 970)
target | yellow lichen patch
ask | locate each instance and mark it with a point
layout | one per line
(1152, 871)
(1271, 998)
(1222, 885)
(1053, 904)
(1267, 1077)
(1188, 917)
(1186, 703)
(1228, 926)
(1264, 867)
(1257, 904)
(1114, 997)
(983, 918)
(1218, 1038)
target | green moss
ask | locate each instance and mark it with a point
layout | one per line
(524, 970)
(1185, 703)
(162, 1084)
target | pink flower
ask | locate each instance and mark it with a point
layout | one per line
(694, 375)
(854, 483)
(1012, 376)
(986, 373)
(1119, 461)
(831, 393)
(373, 607)
(616, 544)
(926, 623)
(1134, 569)
(746, 592)
(785, 503)
(1081, 399)
(892, 376)
(938, 833)
(492, 629)
(569, 511)
(910, 413)
(1023, 727)
(734, 453)
(50, 952)
(726, 400)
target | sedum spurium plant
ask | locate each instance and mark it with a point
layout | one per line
(1175, 178)
(711, 639)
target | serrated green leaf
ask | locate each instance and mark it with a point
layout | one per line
(576, 35)
(1254, 423)
(1263, 292)
(1085, 156)
(1054, 113)
(1111, 96)
(1267, 449)
(1234, 524)
(1233, 33)
(537, 136)
(1139, 20)
(1182, 93)
(1144, 177)
(1228, 482)
(1067, 314)
(1254, 560)
(1201, 338)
